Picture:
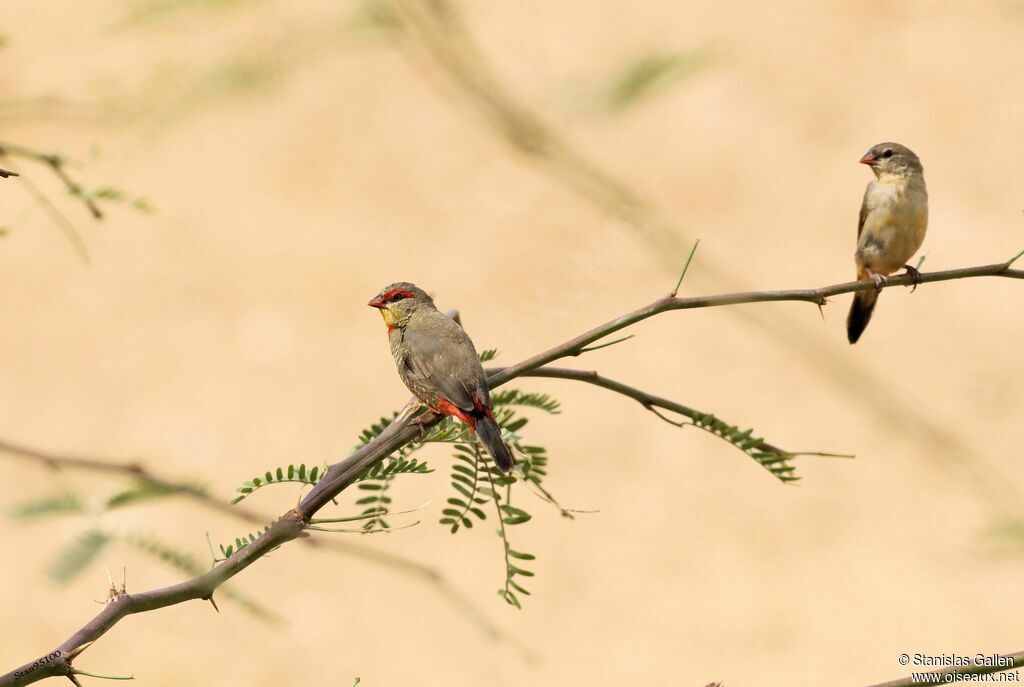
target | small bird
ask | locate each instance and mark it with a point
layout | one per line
(437, 361)
(893, 221)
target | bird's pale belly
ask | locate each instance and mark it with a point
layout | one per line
(887, 245)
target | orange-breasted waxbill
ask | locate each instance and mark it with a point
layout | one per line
(893, 221)
(437, 361)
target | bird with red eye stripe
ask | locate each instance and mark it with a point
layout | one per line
(438, 362)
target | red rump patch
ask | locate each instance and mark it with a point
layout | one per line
(448, 408)
(479, 406)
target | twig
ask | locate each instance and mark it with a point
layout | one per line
(606, 344)
(341, 475)
(682, 275)
(57, 165)
(58, 217)
(648, 401)
(427, 574)
(817, 296)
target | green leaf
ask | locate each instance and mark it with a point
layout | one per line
(142, 491)
(514, 516)
(648, 74)
(514, 397)
(281, 475)
(509, 597)
(515, 426)
(56, 504)
(374, 15)
(73, 559)
(517, 587)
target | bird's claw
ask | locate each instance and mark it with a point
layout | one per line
(879, 280)
(915, 277)
(421, 421)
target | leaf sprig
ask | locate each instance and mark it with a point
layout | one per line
(293, 473)
(776, 463)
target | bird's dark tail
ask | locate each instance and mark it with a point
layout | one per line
(490, 434)
(860, 314)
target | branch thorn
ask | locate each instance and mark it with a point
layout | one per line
(685, 267)
(73, 654)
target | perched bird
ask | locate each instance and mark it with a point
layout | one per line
(893, 220)
(437, 361)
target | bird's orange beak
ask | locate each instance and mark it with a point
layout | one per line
(869, 159)
(377, 302)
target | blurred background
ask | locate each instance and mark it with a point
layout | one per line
(266, 167)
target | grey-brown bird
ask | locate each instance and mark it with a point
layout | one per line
(438, 362)
(893, 221)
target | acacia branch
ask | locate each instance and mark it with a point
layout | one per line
(648, 401)
(344, 473)
(145, 476)
(817, 296)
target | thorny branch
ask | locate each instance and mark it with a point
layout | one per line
(344, 473)
(817, 296)
(145, 476)
(648, 401)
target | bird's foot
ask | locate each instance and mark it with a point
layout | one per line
(423, 419)
(880, 281)
(915, 277)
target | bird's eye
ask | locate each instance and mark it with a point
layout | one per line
(395, 297)
(887, 153)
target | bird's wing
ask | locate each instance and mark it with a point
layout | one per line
(863, 212)
(442, 355)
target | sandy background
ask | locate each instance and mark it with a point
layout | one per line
(298, 162)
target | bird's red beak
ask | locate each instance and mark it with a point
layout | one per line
(377, 302)
(869, 159)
